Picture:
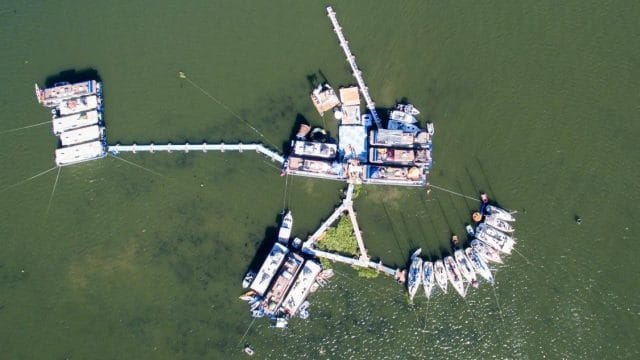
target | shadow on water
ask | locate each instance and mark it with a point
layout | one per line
(72, 76)
(270, 235)
(300, 120)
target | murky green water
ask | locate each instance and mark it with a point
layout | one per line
(537, 104)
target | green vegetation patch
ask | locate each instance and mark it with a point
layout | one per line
(367, 273)
(340, 238)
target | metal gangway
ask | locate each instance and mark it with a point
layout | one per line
(204, 147)
(354, 67)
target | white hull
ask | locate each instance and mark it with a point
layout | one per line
(479, 265)
(285, 229)
(498, 224)
(440, 275)
(455, 277)
(503, 244)
(428, 278)
(486, 252)
(465, 268)
(500, 213)
(415, 274)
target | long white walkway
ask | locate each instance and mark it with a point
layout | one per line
(204, 147)
(354, 67)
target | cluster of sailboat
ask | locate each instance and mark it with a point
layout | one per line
(490, 238)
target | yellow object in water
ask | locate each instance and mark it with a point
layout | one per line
(477, 216)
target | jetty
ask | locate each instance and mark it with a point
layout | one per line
(204, 147)
(351, 59)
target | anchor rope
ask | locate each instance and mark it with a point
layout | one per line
(227, 108)
(454, 193)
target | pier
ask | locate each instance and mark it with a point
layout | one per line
(344, 44)
(204, 147)
(363, 260)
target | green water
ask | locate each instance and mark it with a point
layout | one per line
(537, 104)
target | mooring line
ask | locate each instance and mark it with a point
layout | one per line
(454, 193)
(497, 302)
(247, 331)
(25, 127)
(55, 184)
(27, 179)
(224, 106)
(136, 165)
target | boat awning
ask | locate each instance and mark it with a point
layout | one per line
(80, 135)
(350, 96)
(66, 123)
(73, 154)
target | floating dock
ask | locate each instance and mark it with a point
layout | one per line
(204, 147)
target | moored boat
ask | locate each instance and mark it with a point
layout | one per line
(454, 275)
(479, 265)
(428, 278)
(499, 213)
(415, 274)
(248, 279)
(470, 230)
(440, 275)
(485, 251)
(495, 238)
(285, 228)
(498, 223)
(466, 269)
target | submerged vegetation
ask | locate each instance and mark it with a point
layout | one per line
(367, 273)
(340, 238)
(326, 263)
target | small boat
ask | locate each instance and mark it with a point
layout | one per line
(454, 275)
(285, 228)
(248, 296)
(248, 350)
(248, 279)
(257, 313)
(498, 223)
(428, 278)
(466, 269)
(486, 252)
(470, 230)
(321, 282)
(304, 310)
(479, 265)
(500, 213)
(498, 240)
(326, 274)
(314, 287)
(280, 323)
(415, 274)
(440, 275)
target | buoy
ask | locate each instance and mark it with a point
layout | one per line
(477, 217)
(182, 75)
(337, 114)
(249, 351)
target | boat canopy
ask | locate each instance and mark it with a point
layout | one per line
(66, 123)
(81, 135)
(269, 268)
(76, 105)
(78, 153)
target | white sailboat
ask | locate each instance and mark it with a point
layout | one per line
(499, 213)
(466, 268)
(440, 275)
(479, 265)
(453, 272)
(428, 278)
(486, 252)
(415, 274)
(285, 228)
(498, 223)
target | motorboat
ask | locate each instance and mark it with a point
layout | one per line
(470, 230)
(498, 223)
(495, 238)
(415, 274)
(479, 265)
(454, 275)
(285, 228)
(486, 252)
(500, 213)
(440, 275)
(428, 278)
(280, 323)
(466, 268)
(248, 279)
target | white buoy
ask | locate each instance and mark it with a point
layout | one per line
(337, 113)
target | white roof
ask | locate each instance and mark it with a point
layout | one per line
(77, 105)
(78, 153)
(74, 121)
(269, 268)
(301, 287)
(80, 135)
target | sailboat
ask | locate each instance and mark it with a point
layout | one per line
(415, 274)
(428, 278)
